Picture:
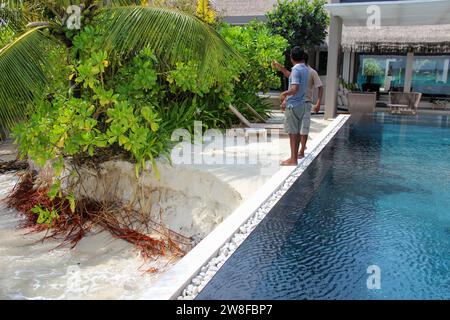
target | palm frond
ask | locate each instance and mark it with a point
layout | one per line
(12, 18)
(173, 35)
(22, 76)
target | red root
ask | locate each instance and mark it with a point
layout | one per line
(71, 227)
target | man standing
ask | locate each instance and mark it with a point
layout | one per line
(293, 102)
(314, 82)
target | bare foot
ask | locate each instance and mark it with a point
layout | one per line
(301, 155)
(289, 162)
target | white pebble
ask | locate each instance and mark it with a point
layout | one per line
(224, 252)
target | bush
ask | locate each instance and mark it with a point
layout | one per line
(130, 108)
(303, 23)
(259, 48)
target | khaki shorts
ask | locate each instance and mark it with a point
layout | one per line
(297, 119)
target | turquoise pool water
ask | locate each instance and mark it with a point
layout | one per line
(378, 194)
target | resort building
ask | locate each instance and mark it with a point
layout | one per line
(409, 40)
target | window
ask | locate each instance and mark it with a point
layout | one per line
(431, 75)
(387, 72)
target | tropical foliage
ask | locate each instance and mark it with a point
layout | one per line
(302, 22)
(259, 48)
(172, 35)
(122, 83)
(129, 109)
(134, 109)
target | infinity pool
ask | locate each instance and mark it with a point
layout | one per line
(378, 194)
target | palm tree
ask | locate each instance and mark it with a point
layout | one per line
(133, 25)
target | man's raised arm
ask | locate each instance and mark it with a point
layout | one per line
(281, 68)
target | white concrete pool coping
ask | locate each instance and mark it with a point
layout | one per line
(172, 284)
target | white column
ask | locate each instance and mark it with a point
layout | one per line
(408, 71)
(334, 45)
(445, 71)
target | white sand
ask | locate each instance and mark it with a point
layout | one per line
(100, 267)
(247, 178)
(183, 199)
(194, 198)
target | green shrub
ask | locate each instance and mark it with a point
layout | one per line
(131, 109)
(259, 48)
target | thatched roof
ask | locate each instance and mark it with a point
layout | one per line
(230, 8)
(421, 39)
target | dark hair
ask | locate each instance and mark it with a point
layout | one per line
(297, 54)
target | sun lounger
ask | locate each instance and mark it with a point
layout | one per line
(255, 113)
(248, 124)
(404, 102)
(361, 102)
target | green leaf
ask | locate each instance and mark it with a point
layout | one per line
(71, 199)
(173, 36)
(22, 75)
(122, 140)
(54, 189)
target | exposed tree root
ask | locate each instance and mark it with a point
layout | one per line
(122, 222)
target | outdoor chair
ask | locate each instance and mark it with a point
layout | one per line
(361, 102)
(404, 102)
(248, 124)
(255, 113)
(440, 104)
